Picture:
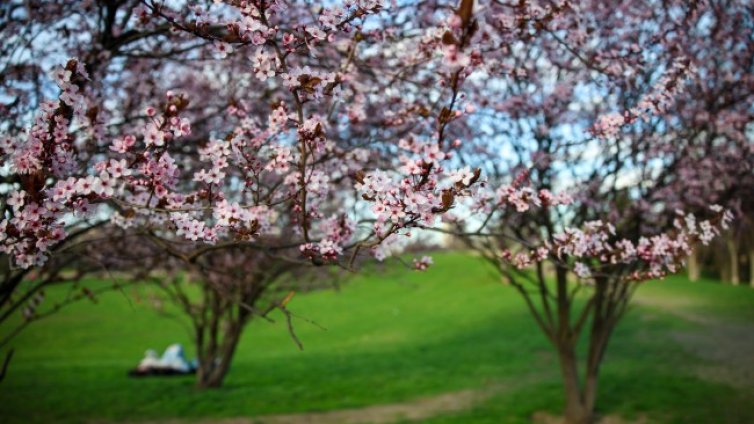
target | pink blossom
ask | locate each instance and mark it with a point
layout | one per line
(423, 263)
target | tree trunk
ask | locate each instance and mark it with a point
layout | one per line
(733, 258)
(598, 344)
(590, 394)
(576, 411)
(693, 265)
(215, 363)
(751, 266)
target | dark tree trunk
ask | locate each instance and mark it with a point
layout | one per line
(231, 284)
(565, 341)
(751, 266)
(603, 309)
(598, 343)
(733, 261)
(580, 397)
(217, 336)
(214, 363)
(693, 265)
(576, 412)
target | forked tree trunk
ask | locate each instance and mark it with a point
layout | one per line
(604, 310)
(590, 394)
(599, 337)
(214, 363)
(231, 288)
(735, 278)
(216, 338)
(576, 411)
(580, 397)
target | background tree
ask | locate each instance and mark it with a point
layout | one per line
(218, 294)
(604, 107)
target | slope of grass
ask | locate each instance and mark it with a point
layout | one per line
(390, 336)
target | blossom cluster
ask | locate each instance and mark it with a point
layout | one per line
(519, 196)
(294, 107)
(46, 161)
(416, 195)
(594, 247)
(656, 101)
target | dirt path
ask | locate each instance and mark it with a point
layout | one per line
(680, 307)
(415, 410)
(726, 346)
(546, 418)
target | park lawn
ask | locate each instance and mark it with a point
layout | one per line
(391, 335)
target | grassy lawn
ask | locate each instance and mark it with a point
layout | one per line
(393, 336)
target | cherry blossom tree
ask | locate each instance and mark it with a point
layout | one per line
(614, 129)
(218, 295)
(220, 127)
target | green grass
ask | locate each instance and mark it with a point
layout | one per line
(391, 336)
